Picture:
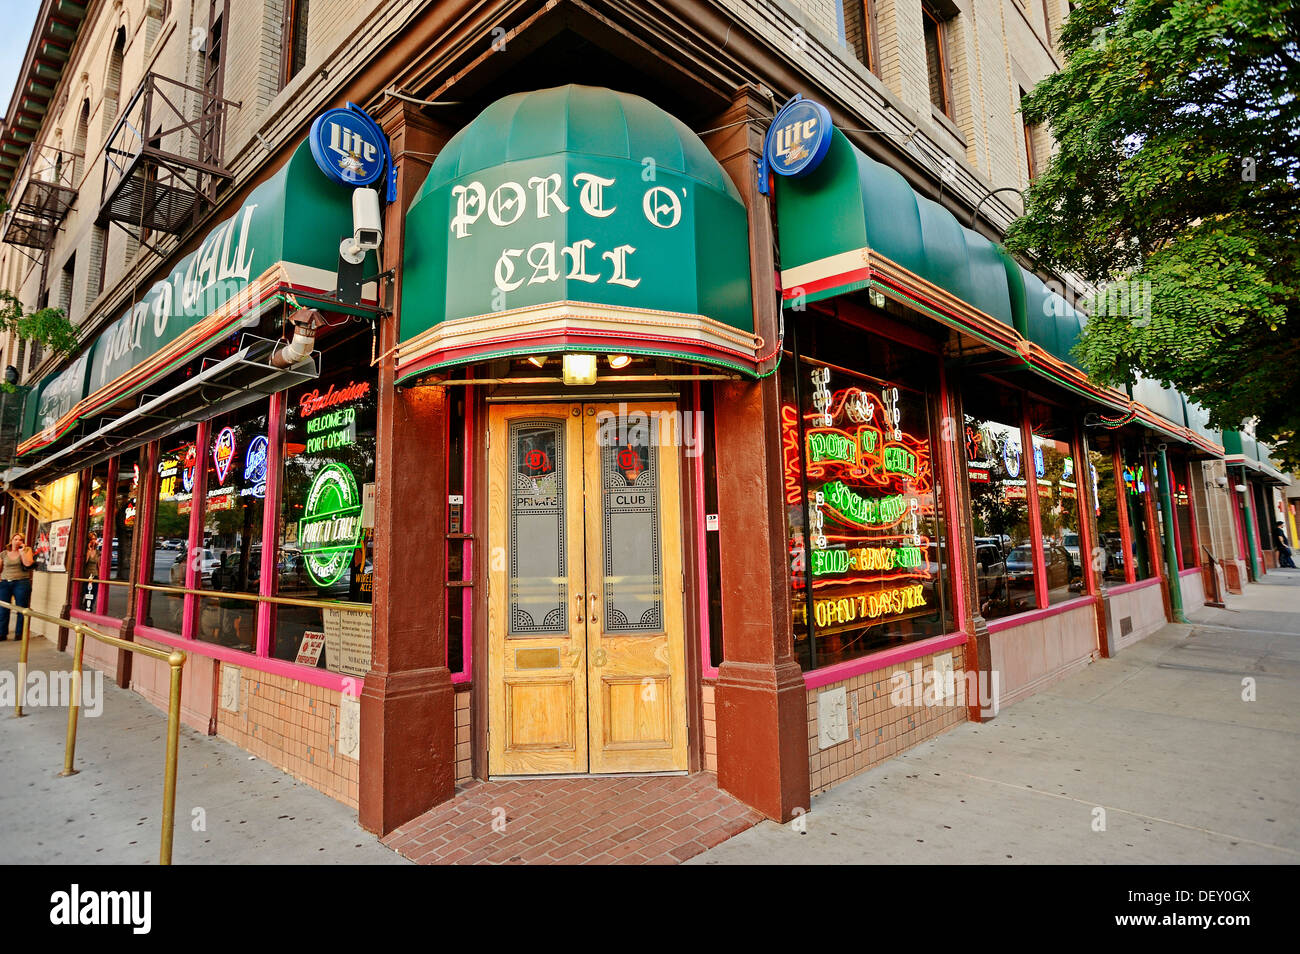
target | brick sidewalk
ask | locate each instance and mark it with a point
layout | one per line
(645, 820)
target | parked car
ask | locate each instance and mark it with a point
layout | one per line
(1056, 561)
(172, 544)
(208, 561)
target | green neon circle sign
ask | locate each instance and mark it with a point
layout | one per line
(330, 528)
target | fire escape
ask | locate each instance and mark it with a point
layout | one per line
(163, 162)
(33, 222)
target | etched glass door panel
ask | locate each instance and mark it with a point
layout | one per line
(538, 575)
(633, 570)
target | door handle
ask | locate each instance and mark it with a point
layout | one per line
(592, 599)
(577, 599)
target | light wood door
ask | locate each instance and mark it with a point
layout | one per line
(586, 668)
(636, 687)
(537, 630)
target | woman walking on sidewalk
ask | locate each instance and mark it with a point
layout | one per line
(15, 582)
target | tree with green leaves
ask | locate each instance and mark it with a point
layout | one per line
(48, 327)
(1174, 190)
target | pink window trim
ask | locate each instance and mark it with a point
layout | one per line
(1130, 587)
(880, 660)
(97, 619)
(274, 667)
(1189, 571)
(1032, 616)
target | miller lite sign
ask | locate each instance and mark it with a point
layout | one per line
(797, 141)
(350, 148)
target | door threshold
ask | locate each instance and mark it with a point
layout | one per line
(520, 778)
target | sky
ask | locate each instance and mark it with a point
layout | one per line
(19, 18)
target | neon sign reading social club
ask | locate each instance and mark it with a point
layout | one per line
(330, 528)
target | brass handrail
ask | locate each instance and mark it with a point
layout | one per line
(175, 659)
(255, 598)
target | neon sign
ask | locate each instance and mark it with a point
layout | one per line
(865, 558)
(255, 463)
(332, 430)
(867, 606)
(187, 474)
(330, 528)
(223, 452)
(313, 402)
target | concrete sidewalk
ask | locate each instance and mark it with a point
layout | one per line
(1158, 738)
(230, 807)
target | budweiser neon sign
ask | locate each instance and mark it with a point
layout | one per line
(313, 402)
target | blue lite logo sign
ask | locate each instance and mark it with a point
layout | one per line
(351, 149)
(797, 141)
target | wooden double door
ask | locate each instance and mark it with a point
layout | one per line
(586, 663)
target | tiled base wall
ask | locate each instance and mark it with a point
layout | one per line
(1036, 654)
(152, 679)
(877, 728)
(308, 731)
(464, 760)
(1145, 611)
(710, 730)
(1193, 588)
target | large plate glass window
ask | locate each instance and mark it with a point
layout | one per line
(1110, 537)
(230, 559)
(173, 502)
(125, 502)
(326, 546)
(868, 560)
(1058, 502)
(1005, 566)
(1138, 483)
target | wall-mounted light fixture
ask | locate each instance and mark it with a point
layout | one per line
(618, 361)
(579, 369)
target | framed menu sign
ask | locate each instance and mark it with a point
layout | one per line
(866, 547)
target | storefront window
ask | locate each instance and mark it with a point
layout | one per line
(173, 502)
(869, 561)
(326, 540)
(230, 559)
(1138, 483)
(93, 543)
(1058, 503)
(125, 498)
(1110, 537)
(1005, 567)
(1187, 556)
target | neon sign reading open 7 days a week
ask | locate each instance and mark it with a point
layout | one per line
(834, 611)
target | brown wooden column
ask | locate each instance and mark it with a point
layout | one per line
(762, 717)
(408, 719)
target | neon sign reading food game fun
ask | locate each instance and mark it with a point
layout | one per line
(868, 486)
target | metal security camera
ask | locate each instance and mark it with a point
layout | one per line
(367, 230)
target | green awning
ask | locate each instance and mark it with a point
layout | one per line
(283, 240)
(852, 205)
(575, 219)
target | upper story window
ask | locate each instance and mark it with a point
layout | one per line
(295, 38)
(936, 58)
(858, 31)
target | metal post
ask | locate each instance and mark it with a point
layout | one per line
(1248, 518)
(21, 692)
(176, 659)
(1171, 554)
(74, 705)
